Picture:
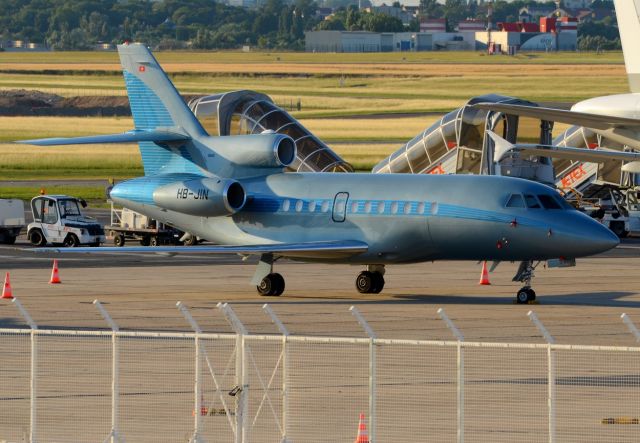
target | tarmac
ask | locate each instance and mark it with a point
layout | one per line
(580, 305)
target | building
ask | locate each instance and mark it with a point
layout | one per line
(472, 26)
(433, 25)
(400, 13)
(361, 41)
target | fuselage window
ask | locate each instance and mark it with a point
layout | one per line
(421, 208)
(285, 205)
(407, 208)
(381, 207)
(312, 206)
(325, 206)
(299, 205)
(434, 208)
(394, 207)
(532, 201)
(515, 201)
(367, 207)
(354, 207)
(548, 202)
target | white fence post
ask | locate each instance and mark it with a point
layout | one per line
(33, 382)
(372, 372)
(460, 370)
(285, 362)
(114, 435)
(242, 379)
(551, 383)
(632, 327)
(197, 425)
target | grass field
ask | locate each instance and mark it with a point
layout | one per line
(330, 87)
(232, 57)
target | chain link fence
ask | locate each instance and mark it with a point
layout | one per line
(117, 386)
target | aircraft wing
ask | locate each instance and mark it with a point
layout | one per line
(158, 136)
(327, 249)
(594, 121)
(502, 147)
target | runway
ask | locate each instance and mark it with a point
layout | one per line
(580, 305)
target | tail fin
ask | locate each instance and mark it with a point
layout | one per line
(628, 13)
(157, 105)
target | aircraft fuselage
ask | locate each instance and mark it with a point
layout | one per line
(403, 218)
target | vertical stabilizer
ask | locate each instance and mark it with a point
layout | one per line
(155, 103)
(628, 13)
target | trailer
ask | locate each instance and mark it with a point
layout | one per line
(127, 225)
(11, 220)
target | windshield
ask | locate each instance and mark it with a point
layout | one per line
(68, 208)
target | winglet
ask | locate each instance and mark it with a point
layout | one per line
(501, 146)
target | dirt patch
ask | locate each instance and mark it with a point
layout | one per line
(23, 102)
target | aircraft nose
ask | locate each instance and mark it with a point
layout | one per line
(600, 238)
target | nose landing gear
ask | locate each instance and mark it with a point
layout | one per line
(525, 275)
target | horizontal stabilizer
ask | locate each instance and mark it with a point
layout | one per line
(595, 121)
(157, 136)
(329, 249)
(576, 154)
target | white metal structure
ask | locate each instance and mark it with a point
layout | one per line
(115, 386)
(57, 219)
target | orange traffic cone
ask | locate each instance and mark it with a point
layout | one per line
(484, 277)
(6, 290)
(55, 276)
(363, 435)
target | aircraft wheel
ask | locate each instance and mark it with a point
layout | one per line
(525, 295)
(378, 283)
(118, 240)
(71, 241)
(272, 284)
(154, 241)
(37, 238)
(365, 282)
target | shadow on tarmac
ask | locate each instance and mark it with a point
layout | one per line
(602, 299)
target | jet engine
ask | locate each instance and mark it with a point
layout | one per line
(267, 150)
(206, 197)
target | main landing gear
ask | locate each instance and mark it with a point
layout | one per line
(371, 281)
(268, 282)
(272, 284)
(525, 275)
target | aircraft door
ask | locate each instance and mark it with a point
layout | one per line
(339, 213)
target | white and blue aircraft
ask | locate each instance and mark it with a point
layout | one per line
(234, 191)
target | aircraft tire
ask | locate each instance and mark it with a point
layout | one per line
(271, 285)
(525, 295)
(365, 282)
(378, 283)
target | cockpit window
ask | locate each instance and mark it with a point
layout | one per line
(515, 201)
(563, 203)
(532, 201)
(549, 202)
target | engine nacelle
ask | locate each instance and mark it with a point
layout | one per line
(206, 197)
(257, 150)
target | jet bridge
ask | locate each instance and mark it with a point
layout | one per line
(458, 144)
(249, 112)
